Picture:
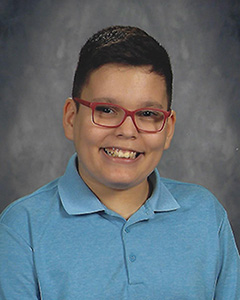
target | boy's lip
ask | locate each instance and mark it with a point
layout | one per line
(118, 152)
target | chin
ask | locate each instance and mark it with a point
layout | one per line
(121, 184)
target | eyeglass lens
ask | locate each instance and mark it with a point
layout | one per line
(146, 119)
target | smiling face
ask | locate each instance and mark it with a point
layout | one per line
(122, 157)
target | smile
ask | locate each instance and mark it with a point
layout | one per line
(115, 152)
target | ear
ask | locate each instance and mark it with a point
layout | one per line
(69, 114)
(170, 127)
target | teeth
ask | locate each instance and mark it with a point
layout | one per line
(120, 153)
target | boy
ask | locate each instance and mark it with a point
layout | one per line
(110, 227)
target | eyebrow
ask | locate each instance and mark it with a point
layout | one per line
(152, 104)
(147, 103)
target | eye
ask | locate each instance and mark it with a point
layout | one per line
(105, 109)
(149, 113)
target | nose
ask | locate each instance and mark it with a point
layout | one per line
(127, 129)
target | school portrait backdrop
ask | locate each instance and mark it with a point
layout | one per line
(39, 47)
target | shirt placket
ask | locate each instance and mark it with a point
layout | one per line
(133, 253)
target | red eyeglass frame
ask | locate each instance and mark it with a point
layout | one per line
(129, 113)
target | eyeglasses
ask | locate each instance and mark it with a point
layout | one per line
(150, 120)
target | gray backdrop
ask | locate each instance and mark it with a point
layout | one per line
(40, 42)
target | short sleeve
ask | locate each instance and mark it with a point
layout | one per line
(228, 282)
(17, 274)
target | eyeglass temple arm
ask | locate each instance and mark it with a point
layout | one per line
(81, 101)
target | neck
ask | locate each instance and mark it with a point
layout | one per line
(125, 202)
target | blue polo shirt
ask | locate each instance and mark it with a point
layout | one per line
(62, 243)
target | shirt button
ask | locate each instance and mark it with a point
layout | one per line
(132, 257)
(127, 230)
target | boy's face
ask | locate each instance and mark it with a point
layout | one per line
(132, 88)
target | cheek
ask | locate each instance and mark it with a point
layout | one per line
(88, 139)
(156, 144)
(155, 149)
(83, 140)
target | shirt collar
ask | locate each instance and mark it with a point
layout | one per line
(161, 199)
(75, 195)
(77, 198)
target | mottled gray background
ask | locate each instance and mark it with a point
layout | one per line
(40, 42)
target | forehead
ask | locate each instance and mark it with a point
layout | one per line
(121, 69)
(125, 84)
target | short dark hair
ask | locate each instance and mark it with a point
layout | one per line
(122, 45)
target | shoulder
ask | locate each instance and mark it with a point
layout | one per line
(31, 210)
(35, 201)
(186, 189)
(195, 198)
